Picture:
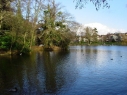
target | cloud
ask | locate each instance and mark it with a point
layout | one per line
(102, 29)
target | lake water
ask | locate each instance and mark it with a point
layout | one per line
(82, 70)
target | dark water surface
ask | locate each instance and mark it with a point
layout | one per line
(82, 70)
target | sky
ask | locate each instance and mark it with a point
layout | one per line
(105, 20)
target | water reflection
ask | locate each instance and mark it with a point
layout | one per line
(83, 70)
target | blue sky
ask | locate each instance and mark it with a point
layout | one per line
(114, 18)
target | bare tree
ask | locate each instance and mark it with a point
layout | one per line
(96, 3)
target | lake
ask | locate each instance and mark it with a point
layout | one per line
(82, 70)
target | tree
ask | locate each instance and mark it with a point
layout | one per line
(73, 26)
(29, 13)
(124, 38)
(22, 24)
(97, 3)
(90, 34)
(55, 30)
(5, 8)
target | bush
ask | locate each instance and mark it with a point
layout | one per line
(5, 42)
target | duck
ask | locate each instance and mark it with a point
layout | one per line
(111, 58)
(13, 90)
(20, 54)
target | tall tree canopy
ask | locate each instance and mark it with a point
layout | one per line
(19, 26)
(55, 30)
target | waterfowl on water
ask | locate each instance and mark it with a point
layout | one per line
(111, 58)
(20, 54)
(13, 90)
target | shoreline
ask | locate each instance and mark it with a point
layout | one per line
(41, 48)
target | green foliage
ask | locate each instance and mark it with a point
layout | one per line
(91, 34)
(5, 42)
(22, 23)
(55, 38)
(55, 32)
(25, 50)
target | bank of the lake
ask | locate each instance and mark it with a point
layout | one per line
(33, 49)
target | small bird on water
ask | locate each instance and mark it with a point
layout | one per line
(13, 90)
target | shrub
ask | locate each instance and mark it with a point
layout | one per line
(5, 42)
